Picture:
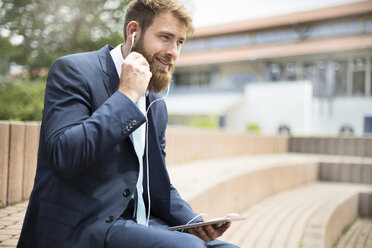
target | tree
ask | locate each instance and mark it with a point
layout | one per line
(34, 33)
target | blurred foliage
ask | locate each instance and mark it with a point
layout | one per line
(35, 33)
(21, 100)
(252, 128)
(205, 122)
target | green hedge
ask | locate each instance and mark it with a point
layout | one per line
(21, 100)
(252, 128)
(205, 122)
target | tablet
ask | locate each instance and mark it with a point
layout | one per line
(205, 223)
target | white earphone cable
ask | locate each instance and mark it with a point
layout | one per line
(203, 214)
(147, 143)
(147, 154)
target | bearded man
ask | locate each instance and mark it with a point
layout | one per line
(101, 178)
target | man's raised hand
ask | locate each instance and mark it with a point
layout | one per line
(135, 76)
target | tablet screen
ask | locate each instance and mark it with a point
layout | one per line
(205, 223)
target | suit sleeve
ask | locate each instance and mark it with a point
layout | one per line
(181, 211)
(75, 136)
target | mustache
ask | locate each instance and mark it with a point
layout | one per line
(165, 59)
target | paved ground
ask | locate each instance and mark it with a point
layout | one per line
(359, 235)
(11, 217)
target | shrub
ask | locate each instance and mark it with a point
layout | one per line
(205, 122)
(21, 100)
(252, 128)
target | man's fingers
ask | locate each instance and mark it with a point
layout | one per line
(136, 60)
(220, 230)
(212, 234)
(209, 233)
(204, 236)
(143, 62)
(199, 232)
(135, 76)
(134, 56)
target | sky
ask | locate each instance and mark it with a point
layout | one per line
(211, 12)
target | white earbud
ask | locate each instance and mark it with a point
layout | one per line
(133, 37)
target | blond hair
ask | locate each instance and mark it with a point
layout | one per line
(144, 12)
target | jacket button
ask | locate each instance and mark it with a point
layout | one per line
(110, 219)
(127, 192)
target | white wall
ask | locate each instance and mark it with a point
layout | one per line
(330, 115)
(272, 104)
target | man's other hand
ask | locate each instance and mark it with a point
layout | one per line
(211, 232)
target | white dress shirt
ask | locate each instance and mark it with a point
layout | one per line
(138, 137)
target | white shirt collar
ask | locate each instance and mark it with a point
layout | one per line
(117, 57)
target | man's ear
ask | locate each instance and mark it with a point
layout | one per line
(132, 27)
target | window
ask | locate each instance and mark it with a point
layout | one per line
(217, 43)
(229, 41)
(287, 35)
(320, 83)
(289, 71)
(309, 72)
(336, 29)
(239, 80)
(194, 45)
(292, 71)
(340, 78)
(359, 71)
(368, 26)
(347, 28)
(319, 31)
(275, 72)
(262, 38)
(198, 78)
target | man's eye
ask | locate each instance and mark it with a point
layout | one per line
(180, 42)
(165, 37)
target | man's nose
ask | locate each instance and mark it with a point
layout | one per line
(173, 50)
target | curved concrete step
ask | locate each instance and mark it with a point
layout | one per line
(288, 219)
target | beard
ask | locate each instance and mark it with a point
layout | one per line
(161, 77)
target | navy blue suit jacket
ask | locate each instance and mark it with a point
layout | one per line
(87, 167)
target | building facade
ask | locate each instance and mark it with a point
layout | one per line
(324, 55)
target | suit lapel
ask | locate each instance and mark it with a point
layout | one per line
(111, 81)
